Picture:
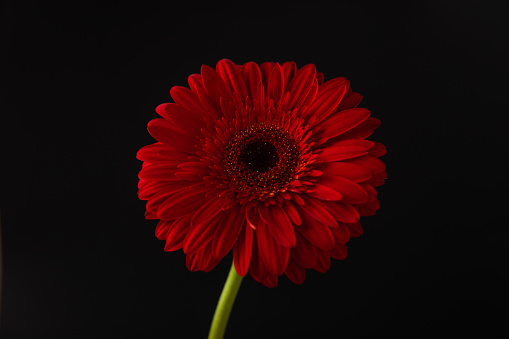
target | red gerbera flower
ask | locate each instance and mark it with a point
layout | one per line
(268, 161)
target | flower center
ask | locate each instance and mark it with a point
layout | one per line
(260, 160)
(259, 156)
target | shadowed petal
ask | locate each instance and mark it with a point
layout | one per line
(215, 86)
(289, 70)
(189, 100)
(184, 121)
(303, 79)
(200, 235)
(352, 171)
(230, 73)
(230, 227)
(183, 203)
(276, 86)
(351, 192)
(295, 273)
(292, 213)
(338, 153)
(316, 232)
(327, 99)
(242, 250)
(207, 211)
(252, 77)
(163, 131)
(304, 253)
(362, 131)
(317, 210)
(281, 227)
(274, 255)
(350, 100)
(163, 228)
(177, 234)
(324, 192)
(355, 229)
(344, 121)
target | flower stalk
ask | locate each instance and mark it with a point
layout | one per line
(225, 304)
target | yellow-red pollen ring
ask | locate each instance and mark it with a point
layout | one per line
(261, 185)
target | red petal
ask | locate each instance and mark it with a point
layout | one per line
(316, 232)
(329, 154)
(352, 171)
(196, 83)
(350, 100)
(228, 232)
(158, 198)
(298, 199)
(368, 208)
(208, 262)
(327, 99)
(362, 131)
(351, 192)
(276, 84)
(303, 79)
(200, 235)
(252, 217)
(339, 251)
(357, 143)
(270, 280)
(163, 228)
(242, 250)
(252, 77)
(341, 234)
(177, 234)
(189, 100)
(232, 77)
(189, 176)
(201, 260)
(289, 70)
(342, 212)
(344, 121)
(355, 229)
(308, 96)
(295, 273)
(324, 192)
(317, 210)
(319, 77)
(304, 253)
(161, 171)
(292, 213)
(377, 150)
(183, 203)
(378, 179)
(192, 262)
(263, 212)
(375, 165)
(207, 211)
(274, 255)
(266, 68)
(281, 227)
(215, 86)
(183, 119)
(257, 268)
(163, 131)
(323, 263)
(152, 153)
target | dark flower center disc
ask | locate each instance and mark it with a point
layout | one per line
(260, 156)
(260, 160)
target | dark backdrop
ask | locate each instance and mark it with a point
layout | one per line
(80, 83)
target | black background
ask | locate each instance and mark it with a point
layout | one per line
(80, 83)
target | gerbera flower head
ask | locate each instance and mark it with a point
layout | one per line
(267, 161)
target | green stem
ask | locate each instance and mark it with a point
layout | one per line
(224, 305)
